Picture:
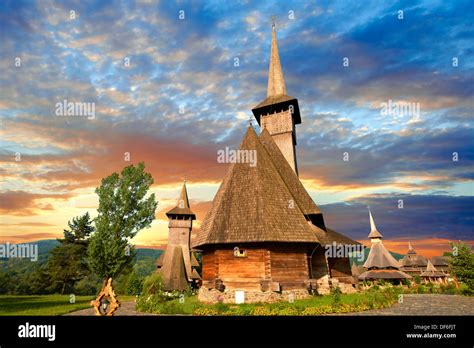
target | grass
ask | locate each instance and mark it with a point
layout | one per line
(15, 305)
(41, 304)
(315, 305)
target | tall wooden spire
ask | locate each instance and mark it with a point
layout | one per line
(374, 235)
(276, 83)
(279, 112)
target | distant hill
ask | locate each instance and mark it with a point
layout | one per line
(46, 245)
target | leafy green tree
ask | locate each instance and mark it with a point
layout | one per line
(461, 262)
(124, 209)
(68, 261)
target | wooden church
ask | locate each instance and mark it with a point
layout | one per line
(264, 233)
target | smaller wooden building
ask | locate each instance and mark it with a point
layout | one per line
(380, 264)
(432, 275)
(413, 263)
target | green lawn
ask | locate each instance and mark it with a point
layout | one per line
(46, 304)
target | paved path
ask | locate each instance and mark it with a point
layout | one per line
(126, 308)
(427, 304)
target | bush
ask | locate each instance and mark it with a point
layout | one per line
(465, 290)
(336, 296)
(152, 285)
(417, 279)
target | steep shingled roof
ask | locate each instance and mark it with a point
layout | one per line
(276, 82)
(253, 204)
(431, 271)
(173, 271)
(379, 257)
(302, 198)
(374, 233)
(329, 236)
(182, 206)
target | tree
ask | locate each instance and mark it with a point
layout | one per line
(124, 209)
(461, 263)
(68, 261)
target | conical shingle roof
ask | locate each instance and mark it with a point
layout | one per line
(373, 229)
(379, 257)
(254, 204)
(431, 271)
(182, 206)
(410, 249)
(276, 83)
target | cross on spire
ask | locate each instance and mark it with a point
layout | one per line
(273, 21)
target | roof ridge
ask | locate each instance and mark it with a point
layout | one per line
(267, 141)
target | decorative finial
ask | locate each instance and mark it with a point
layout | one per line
(250, 121)
(273, 21)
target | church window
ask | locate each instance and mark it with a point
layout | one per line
(240, 252)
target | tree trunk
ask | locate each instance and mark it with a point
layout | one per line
(64, 288)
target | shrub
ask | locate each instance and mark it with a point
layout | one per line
(336, 296)
(221, 307)
(152, 285)
(464, 289)
(417, 279)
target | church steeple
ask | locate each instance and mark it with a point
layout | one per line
(279, 112)
(374, 235)
(276, 83)
(182, 208)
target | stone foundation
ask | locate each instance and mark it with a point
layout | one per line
(321, 286)
(228, 296)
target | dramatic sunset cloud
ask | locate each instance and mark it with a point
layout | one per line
(171, 88)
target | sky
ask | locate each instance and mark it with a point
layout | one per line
(173, 83)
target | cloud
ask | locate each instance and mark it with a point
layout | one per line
(25, 203)
(422, 216)
(182, 98)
